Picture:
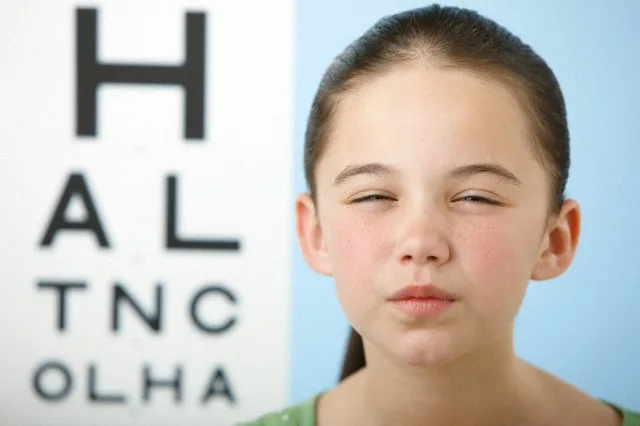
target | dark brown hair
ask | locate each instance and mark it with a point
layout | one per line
(447, 37)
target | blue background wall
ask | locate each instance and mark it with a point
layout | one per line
(582, 325)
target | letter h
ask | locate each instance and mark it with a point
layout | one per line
(91, 73)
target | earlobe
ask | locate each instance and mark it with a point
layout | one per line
(560, 243)
(310, 237)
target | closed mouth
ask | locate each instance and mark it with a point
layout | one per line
(422, 292)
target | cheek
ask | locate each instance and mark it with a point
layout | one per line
(484, 247)
(358, 248)
(355, 240)
(496, 260)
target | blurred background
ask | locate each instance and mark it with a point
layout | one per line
(150, 157)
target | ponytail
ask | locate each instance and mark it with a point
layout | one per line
(354, 358)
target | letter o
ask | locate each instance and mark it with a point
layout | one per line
(48, 395)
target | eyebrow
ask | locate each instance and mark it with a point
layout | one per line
(378, 169)
(502, 173)
(375, 169)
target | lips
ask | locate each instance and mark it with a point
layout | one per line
(422, 292)
(422, 301)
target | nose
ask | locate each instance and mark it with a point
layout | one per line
(422, 239)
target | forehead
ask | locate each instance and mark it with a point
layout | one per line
(443, 115)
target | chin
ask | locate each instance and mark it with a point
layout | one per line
(424, 348)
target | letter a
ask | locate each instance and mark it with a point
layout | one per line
(76, 185)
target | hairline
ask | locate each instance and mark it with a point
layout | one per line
(495, 73)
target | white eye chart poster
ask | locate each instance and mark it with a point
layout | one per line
(145, 174)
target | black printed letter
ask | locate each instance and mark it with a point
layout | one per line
(153, 320)
(212, 328)
(149, 383)
(175, 242)
(50, 395)
(76, 185)
(219, 385)
(62, 288)
(90, 74)
(94, 396)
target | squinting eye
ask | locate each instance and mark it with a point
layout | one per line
(371, 197)
(478, 199)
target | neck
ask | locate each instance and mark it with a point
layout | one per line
(476, 389)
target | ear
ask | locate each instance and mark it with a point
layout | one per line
(559, 243)
(310, 236)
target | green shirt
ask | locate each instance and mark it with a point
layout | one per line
(304, 414)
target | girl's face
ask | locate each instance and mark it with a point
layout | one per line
(429, 178)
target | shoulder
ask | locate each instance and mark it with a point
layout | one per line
(566, 404)
(302, 414)
(629, 417)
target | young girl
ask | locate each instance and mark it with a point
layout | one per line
(437, 154)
